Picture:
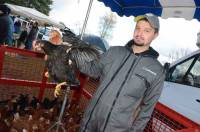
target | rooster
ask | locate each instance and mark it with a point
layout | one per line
(64, 60)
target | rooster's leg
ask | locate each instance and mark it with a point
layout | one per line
(58, 88)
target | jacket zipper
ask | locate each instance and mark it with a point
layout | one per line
(119, 91)
(117, 71)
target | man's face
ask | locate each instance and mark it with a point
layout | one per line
(144, 33)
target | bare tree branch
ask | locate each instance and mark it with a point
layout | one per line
(106, 25)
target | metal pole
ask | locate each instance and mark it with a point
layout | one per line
(86, 18)
(59, 123)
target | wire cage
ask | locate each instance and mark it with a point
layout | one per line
(22, 72)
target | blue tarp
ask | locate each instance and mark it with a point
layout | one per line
(188, 9)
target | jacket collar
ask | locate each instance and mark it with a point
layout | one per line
(150, 52)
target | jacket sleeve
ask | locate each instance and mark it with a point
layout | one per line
(148, 103)
(95, 68)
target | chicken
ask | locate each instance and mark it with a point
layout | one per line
(48, 104)
(3, 126)
(64, 60)
(19, 123)
(34, 102)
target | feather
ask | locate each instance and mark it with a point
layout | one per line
(63, 60)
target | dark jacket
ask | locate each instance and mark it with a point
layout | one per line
(33, 33)
(129, 82)
(6, 29)
(23, 36)
(4, 26)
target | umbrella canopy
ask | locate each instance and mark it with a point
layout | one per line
(33, 14)
(97, 41)
(188, 9)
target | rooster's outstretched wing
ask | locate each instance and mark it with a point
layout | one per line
(83, 53)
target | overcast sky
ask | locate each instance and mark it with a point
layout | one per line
(175, 33)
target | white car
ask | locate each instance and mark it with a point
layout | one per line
(43, 33)
(181, 90)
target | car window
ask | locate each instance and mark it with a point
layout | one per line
(44, 33)
(195, 72)
(42, 30)
(186, 73)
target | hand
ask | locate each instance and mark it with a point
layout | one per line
(57, 90)
(45, 57)
(46, 74)
(36, 46)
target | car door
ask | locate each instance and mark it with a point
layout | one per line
(181, 90)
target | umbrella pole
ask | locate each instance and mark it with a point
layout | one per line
(86, 18)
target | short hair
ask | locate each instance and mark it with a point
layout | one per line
(36, 23)
(5, 9)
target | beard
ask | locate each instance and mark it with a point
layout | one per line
(138, 41)
(137, 44)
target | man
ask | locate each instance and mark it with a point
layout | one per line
(6, 26)
(131, 83)
(22, 38)
(32, 36)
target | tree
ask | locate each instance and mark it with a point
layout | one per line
(176, 54)
(106, 25)
(40, 5)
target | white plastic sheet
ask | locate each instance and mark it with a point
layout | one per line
(33, 14)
